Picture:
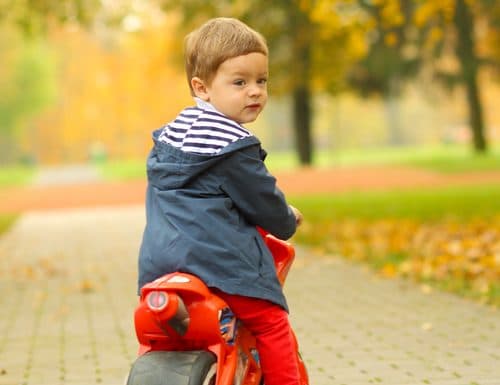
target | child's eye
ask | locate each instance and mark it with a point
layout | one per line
(239, 82)
(262, 81)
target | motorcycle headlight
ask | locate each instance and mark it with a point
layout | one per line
(157, 301)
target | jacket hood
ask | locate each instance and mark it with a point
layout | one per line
(171, 168)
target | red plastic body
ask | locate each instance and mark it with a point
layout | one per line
(236, 363)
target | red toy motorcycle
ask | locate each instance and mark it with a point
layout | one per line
(189, 336)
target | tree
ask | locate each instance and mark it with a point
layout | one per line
(391, 61)
(449, 28)
(34, 16)
(433, 31)
(28, 85)
(27, 74)
(465, 50)
(315, 43)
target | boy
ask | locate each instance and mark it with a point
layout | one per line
(208, 189)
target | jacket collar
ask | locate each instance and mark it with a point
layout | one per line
(207, 106)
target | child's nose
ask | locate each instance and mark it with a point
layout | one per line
(255, 90)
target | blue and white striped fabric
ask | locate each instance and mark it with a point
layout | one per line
(202, 130)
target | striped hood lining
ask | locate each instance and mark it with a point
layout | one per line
(202, 130)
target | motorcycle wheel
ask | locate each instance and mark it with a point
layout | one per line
(174, 368)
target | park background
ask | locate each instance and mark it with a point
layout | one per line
(404, 84)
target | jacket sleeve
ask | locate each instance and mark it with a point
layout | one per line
(254, 192)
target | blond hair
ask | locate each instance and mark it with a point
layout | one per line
(216, 41)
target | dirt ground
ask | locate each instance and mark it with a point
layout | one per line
(301, 181)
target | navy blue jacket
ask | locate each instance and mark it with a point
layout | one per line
(201, 214)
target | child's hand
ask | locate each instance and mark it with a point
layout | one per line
(298, 215)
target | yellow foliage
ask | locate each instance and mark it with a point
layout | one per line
(113, 92)
(304, 5)
(391, 13)
(391, 39)
(435, 34)
(86, 286)
(441, 250)
(389, 270)
(429, 10)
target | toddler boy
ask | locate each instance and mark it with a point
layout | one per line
(208, 189)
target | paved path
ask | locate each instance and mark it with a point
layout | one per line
(67, 175)
(67, 284)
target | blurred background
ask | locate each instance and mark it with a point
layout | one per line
(87, 81)
(383, 125)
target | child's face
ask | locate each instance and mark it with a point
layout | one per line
(239, 87)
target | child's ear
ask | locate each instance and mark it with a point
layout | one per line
(199, 88)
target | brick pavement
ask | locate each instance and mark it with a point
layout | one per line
(67, 280)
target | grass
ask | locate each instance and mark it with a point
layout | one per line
(447, 159)
(6, 221)
(15, 175)
(461, 202)
(454, 159)
(11, 176)
(123, 170)
(384, 230)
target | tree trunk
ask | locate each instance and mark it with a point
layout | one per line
(393, 113)
(302, 124)
(300, 69)
(465, 49)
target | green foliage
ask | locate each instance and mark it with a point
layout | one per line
(27, 80)
(32, 86)
(32, 17)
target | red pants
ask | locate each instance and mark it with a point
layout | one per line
(269, 324)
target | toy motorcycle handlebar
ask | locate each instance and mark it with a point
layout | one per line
(282, 251)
